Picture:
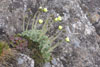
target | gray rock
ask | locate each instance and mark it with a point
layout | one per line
(47, 65)
(25, 61)
(54, 61)
(17, 60)
(84, 48)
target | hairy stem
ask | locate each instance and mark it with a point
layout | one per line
(37, 20)
(28, 24)
(34, 19)
(53, 47)
(44, 27)
(46, 23)
(52, 38)
(23, 22)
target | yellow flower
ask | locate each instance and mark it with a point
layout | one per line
(56, 19)
(45, 10)
(60, 27)
(59, 18)
(67, 39)
(40, 21)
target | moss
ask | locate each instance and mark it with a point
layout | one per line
(3, 46)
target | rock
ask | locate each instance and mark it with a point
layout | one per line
(83, 50)
(12, 13)
(25, 61)
(47, 65)
(80, 31)
(17, 60)
(93, 13)
(95, 17)
(54, 61)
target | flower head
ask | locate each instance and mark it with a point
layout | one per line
(67, 39)
(40, 21)
(59, 18)
(56, 19)
(60, 27)
(45, 10)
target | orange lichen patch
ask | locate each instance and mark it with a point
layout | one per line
(5, 51)
(5, 54)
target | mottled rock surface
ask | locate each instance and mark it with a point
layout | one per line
(84, 48)
(25, 61)
(18, 60)
(92, 9)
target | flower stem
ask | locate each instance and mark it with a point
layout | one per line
(52, 38)
(53, 47)
(34, 19)
(28, 24)
(37, 20)
(23, 22)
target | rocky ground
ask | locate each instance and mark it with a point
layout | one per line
(92, 9)
(81, 20)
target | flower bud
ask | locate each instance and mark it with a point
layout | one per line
(60, 27)
(59, 18)
(67, 39)
(45, 10)
(40, 21)
(56, 19)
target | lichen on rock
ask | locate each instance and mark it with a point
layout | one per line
(83, 49)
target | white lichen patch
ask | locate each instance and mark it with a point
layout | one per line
(88, 30)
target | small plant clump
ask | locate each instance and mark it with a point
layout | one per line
(3, 46)
(36, 40)
(5, 51)
(40, 42)
(7, 55)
